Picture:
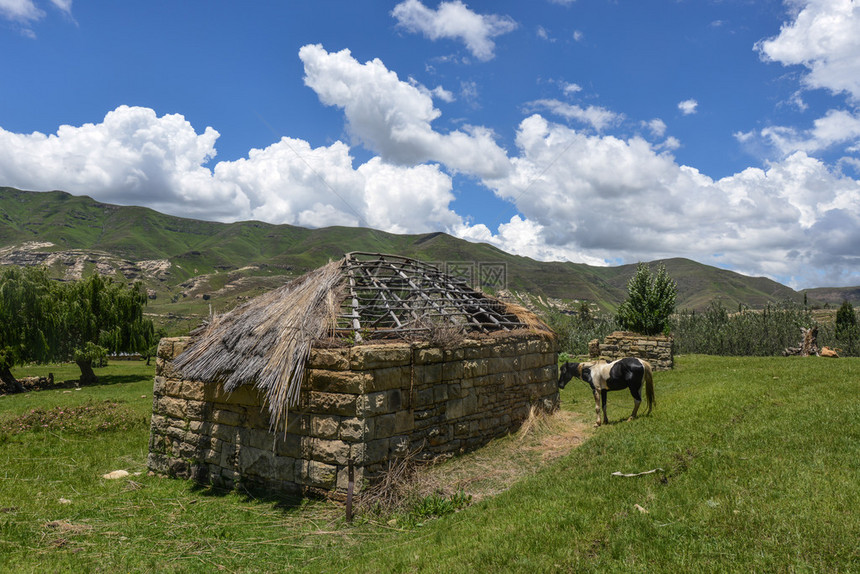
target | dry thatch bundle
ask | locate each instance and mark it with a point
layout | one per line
(266, 341)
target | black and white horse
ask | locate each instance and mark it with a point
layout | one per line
(628, 373)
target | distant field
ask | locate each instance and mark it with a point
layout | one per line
(760, 462)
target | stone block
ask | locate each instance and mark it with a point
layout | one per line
(389, 378)
(256, 417)
(158, 385)
(338, 381)
(429, 356)
(329, 451)
(404, 422)
(171, 407)
(284, 468)
(245, 395)
(384, 425)
(367, 357)
(429, 374)
(343, 478)
(453, 370)
(158, 423)
(228, 416)
(398, 447)
(325, 426)
(473, 352)
(329, 359)
(288, 445)
(171, 387)
(165, 349)
(192, 390)
(459, 408)
(259, 438)
(316, 474)
(331, 403)
(373, 403)
(475, 368)
(354, 429)
(197, 410)
(424, 398)
(254, 461)
(376, 451)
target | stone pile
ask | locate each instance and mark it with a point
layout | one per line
(657, 349)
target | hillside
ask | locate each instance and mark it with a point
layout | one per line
(189, 266)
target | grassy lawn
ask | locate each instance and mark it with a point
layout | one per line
(760, 462)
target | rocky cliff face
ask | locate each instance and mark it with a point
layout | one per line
(70, 264)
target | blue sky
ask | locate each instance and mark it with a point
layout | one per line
(592, 131)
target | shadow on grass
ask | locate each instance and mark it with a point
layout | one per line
(285, 502)
(33, 384)
(105, 380)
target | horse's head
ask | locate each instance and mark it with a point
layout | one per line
(570, 370)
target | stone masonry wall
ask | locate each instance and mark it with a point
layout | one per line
(657, 350)
(369, 403)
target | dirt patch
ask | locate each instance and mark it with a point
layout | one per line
(486, 472)
(66, 527)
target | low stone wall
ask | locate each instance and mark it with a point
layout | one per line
(657, 350)
(369, 403)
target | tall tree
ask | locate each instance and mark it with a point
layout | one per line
(29, 320)
(99, 317)
(847, 330)
(650, 301)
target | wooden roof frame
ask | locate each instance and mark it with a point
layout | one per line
(391, 295)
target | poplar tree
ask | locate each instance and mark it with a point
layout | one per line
(650, 301)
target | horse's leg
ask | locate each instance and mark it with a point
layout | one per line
(603, 403)
(636, 391)
(597, 406)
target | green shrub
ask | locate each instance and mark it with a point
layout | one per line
(765, 332)
(650, 301)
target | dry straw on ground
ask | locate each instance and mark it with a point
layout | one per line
(541, 439)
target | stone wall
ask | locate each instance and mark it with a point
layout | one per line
(369, 403)
(657, 350)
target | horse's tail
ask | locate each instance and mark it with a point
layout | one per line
(649, 385)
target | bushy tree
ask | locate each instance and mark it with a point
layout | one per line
(575, 330)
(847, 330)
(101, 317)
(42, 320)
(29, 320)
(846, 320)
(650, 301)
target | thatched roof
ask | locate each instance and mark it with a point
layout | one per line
(266, 341)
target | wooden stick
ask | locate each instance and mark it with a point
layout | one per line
(621, 474)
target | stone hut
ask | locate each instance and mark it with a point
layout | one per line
(363, 361)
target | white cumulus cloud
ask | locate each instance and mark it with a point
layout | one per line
(454, 21)
(393, 118)
(601, 197)
(824, 37)
(595, 116)
(688, 107)
(134, 157)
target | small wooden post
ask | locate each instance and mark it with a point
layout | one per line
(350, 487)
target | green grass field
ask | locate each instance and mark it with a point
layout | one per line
(760, 462)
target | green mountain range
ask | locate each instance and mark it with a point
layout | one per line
(191, 268)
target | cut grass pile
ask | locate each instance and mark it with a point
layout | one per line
(760, 462)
